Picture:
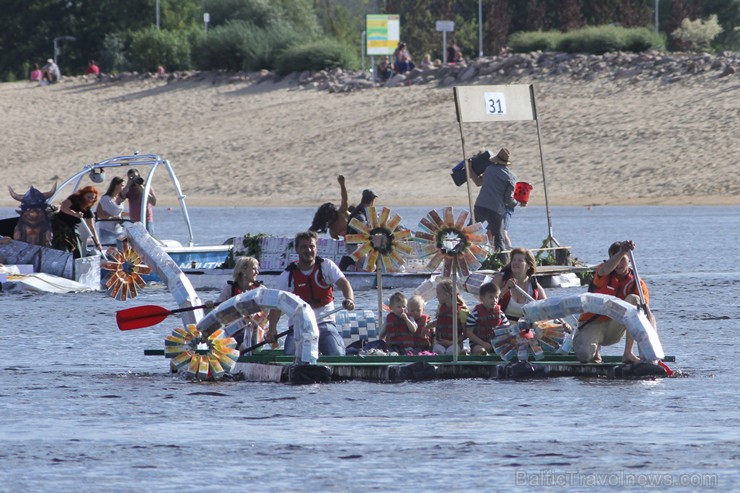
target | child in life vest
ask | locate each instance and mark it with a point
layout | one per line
(443, 335)
(485, 317)
(424, 333)
(399, 329)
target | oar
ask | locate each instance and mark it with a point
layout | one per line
(147, 315)
(665, 367)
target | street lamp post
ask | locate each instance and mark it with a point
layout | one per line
(57, 50)
(480, 28)
(157, 14)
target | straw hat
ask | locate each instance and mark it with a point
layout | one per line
(50, 60)
(503, 157)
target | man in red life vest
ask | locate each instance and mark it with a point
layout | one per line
(312, 279)
(613, 277)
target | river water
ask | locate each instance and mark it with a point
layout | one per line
(82, 409)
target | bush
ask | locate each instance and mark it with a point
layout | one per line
(153, 47)
(240, 45)
(321, 54)
(112, 55)
(523, 42)
(595, 40)
(698, 34)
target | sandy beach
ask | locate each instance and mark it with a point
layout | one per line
(272, 144)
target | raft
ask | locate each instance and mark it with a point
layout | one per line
(274, 366)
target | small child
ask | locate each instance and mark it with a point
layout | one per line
(443, 343)
(484, 318)
(399, 331)
(424, 334)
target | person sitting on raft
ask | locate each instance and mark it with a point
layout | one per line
(399, 329)
(442, 325)
(485, 317)
(518, 272)
(329, 217)
(424, 334)
(613, 277)
(246, 331)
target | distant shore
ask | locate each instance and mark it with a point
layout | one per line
(240, 142)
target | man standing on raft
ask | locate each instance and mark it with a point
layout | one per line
(613, 277)
(312, 279)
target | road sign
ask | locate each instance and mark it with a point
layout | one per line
(445, 26)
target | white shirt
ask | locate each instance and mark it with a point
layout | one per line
(113, 209)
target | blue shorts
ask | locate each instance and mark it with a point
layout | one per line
(331, 342)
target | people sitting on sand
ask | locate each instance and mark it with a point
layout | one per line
(331, 218)
(399, 329)
(247, 330)
(403, 61)
(110, 212)
(484, 319)
(613, 277)
(385, 70)
(36, 74)
(426, 62)
(51, 72)
(72, 211)
(312, 279)
(92, 69)
(359, 213)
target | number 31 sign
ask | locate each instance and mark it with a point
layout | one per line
(495, 103)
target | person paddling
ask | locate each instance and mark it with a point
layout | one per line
(613, 277)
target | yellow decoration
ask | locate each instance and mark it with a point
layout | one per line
(446, 239)
(126, 271)
(381, 239)
(212, 362)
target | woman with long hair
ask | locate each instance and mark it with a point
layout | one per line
(72, 211)
(109, 209)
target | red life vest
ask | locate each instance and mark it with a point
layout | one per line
(310, 288)
(397, 333)
(423, 335)
(444, 322)
(487, 321)
(503, 302)
(621, 288)
(235, 289)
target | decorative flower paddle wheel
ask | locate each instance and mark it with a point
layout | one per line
(126, 270)
(382, 238)
(184, 346)
(447, 239)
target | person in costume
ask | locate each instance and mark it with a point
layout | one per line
(613, 277)
(484, 318)
(72, 211)
(312, 279)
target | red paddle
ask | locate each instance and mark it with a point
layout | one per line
(146, 316)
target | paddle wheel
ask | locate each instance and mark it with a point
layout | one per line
(184, 346)
(126, 271)
(380, 239)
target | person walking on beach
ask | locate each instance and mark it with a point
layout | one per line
(613, 277)
(497, 192)
(312, 279)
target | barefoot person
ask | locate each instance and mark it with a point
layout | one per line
(613, 277)
(312, 278)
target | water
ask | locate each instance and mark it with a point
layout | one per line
(81, 408)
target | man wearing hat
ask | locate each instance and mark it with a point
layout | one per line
(496, 194)
(360, 213)
(51, 71)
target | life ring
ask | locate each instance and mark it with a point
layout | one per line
(447, 239)
(380, 239)
(633, 319)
